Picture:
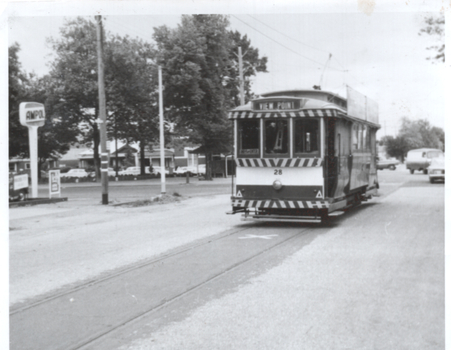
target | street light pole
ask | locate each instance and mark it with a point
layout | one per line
(162, 158)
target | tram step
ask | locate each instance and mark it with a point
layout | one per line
(336, 213)
(281, 218)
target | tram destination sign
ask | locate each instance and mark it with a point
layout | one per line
(32, 114)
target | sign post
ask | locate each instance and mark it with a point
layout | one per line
(32, 115)
(54, 183)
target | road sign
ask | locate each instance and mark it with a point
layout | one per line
(54, 183)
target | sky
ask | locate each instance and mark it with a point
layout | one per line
(379, 54)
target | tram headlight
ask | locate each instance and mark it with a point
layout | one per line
(277, 184)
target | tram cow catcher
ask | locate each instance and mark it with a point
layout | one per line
(303, 155)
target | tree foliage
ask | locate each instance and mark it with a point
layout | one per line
(435, 26)
(414, 134)
(252, 63)
(74, 75)
(133, 92)
(129, 84)
(18, 135)
(55, 136)
(201, 78)
(420, 133)
(396, 146)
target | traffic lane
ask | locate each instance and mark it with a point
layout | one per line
(374, 281)
(70, 320)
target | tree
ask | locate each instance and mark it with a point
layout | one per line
(396, 146)
(129, 84)
(195, 60)
(56, 135)
(201, 79)
(252, 64)
(419, 133)
(74, 73)
(18, 135)
(133, 92)
(435, 26)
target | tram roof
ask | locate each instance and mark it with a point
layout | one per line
(302, 93)
(318, 103)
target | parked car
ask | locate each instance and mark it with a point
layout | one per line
(388, 163)
(202, 169)
(111, 172)
(134, 170)
(78, 173)
(181, 171)
(419, 159)
(18, 186)
(64, 169)
(157, 170)
(436, 169)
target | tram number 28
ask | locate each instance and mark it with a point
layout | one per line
(277, 171)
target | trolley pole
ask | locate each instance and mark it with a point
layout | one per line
(162, 159)
(240, 64)
(102, 112)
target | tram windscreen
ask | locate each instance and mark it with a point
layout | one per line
(249, 137)
(276, 137)
(306, 136)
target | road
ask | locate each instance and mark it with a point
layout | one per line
(184, 275)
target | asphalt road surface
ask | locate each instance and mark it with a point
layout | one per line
(186, 276)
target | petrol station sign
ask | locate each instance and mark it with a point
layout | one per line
(32, 115)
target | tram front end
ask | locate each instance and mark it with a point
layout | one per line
(279, 156)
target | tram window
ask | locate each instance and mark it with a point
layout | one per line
(249, 137)
(276, 137)
(365, 137)
(355, 136)
(306, 136)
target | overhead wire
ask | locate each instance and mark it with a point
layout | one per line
(289, 37)
(297, 53)
(345, 70)
(116, 23)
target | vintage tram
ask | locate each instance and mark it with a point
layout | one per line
(303, 155)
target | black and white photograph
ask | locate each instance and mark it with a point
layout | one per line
(204, 175)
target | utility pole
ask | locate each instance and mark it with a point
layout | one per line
(240, 65)
(162, 158)
(102, 112)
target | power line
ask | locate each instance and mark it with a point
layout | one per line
(289, 37)
(297, 53)
(345, 70)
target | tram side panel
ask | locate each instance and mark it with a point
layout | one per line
(355, 149)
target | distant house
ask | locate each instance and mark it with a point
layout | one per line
(183, 157)
(71, 157)
(125, 156)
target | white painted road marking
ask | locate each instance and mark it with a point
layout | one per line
(248, 236)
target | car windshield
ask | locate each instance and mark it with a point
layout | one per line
(435, 154)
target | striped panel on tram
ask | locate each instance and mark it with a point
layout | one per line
(279, 162)
(279, 204)
(297, 114)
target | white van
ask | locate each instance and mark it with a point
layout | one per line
(419, 159)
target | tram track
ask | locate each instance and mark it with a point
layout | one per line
(122, 271)
(179, 296)
(123, 322)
